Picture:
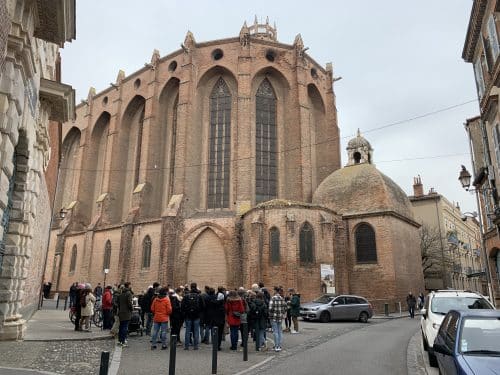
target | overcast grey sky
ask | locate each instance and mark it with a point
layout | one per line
(398, 60)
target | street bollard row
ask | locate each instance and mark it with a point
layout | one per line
(103, 370)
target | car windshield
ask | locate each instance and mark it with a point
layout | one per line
(480, 336)
(324, 299)
(441, 305)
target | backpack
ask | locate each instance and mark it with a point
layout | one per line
(192, 306)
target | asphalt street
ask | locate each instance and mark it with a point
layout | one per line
(375, 349)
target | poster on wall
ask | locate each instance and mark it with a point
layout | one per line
(327, 278)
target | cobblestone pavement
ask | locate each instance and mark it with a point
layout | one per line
(61, 357)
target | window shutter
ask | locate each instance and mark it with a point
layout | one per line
(492, 34)
(479, 77)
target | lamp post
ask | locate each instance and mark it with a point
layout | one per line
(465, 179)
(106, 271)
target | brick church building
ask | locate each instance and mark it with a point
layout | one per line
(220, 163)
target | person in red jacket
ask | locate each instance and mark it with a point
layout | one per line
(161, 309)
(234, 309)
(107, 308)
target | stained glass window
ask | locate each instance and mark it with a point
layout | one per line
(265, 143)
(146, 252)
(220, 146)
(366, 248)
(306, 251)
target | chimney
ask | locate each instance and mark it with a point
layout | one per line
(418, 188)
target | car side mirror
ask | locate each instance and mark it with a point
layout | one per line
(334, 303)
(440, 348)
(424, 313)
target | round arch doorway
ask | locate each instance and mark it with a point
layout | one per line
(207, 261)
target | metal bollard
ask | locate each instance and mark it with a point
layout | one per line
(171, 362)
(245, 341)
(57, 303)
(215, 348)
(386, 309)
(103, 370)
(65, 303)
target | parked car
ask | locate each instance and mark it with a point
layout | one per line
(437, 305)
(468, 342)
(331, 307)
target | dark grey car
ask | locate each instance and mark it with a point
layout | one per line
(331, 307)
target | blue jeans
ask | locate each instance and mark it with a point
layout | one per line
(123, 330)
(278, 333)
(205, 335)
(149, 322)
(234, 336)
(162, 327)
(194, 327)
(259, 337)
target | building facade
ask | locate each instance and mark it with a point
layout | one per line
(204, 166)
(33, 104)
(450, 243)
(482, 49)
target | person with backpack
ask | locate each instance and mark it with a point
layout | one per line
(161, 308)
(145, 304)
(277, 311)
(192, 306)
(215, 313)
(295, 310)
(258, 315)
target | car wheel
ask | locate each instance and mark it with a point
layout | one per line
(324, 317)
(363, 317)
(432, 359)
(424, 343)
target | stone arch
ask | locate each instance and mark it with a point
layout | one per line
(283, 102)
(207, 261)
(127, 160)
(320, 141)
(199, 161)
(92, 176)
(189, 240)
(68, 172)
(164, 146)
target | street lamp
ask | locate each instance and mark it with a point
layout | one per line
(62, 213)
(106, 271)
(465, 178)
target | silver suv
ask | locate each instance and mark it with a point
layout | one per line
(437, 305)
(331, 307)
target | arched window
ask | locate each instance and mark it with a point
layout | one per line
(366, 248)
(146, 252)
(172, 149)
(220, 146)
(306, 251)
(265, 143)
(274, 245)
(72, 264)
(107, 255)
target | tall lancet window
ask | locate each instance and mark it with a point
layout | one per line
(171, 171)
(220, 146)
(265, 143)
(138, 148)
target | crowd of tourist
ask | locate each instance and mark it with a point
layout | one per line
(239, 313)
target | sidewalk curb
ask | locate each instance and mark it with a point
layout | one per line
(414, 357)
(107, 337)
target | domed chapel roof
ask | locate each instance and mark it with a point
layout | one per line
(360, 187)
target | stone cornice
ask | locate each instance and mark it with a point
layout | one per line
(60, 98)
(56, 21)
(474, 29)
(382, 213)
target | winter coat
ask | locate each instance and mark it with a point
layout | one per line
(411, 300)
(147, 300)
(161, 308)
(88, 310)
(176, 314)
(107, 300)
(215, 313)
(125, 305)
(234, 305)
(295, 305)
(258, 314)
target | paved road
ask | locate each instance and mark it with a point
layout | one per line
(13, 371)
(376, 349)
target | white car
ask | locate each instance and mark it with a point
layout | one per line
(437, 305)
